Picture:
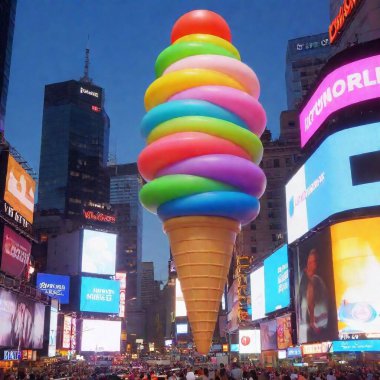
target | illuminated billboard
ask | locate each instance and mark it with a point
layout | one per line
(268, 332)
(66, 336)
(55, 286)
(15, 253)
(258, 294)
(122, 277)
(180, 306)
(19, 189)
(22, 321)
(341, 175)
(100, 295)
(99, 252)
(314, 290)
(249, 342)
(93, 331)
(347, 85)
(276, 278)
(52, 346)
(182, 328)
(356, 263)
(356, 346)
(284, 332)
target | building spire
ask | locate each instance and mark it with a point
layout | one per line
(85, 77)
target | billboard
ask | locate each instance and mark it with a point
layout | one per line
(249, 342)
(22, 321)
(66, 336)
(329, 183)
(314, 290)
(284, 332)
(258, 294)
(53, 329)
(19, 189)
(55, 286)
(93, 331)
(100, 295)
(276, 279)
(347, 85)
(356, 263)
(356, 345)
(15, 253)
(182, 328)
(268, 332)
(122, 277)
(294, 352)
(180, 306)
(98, 252)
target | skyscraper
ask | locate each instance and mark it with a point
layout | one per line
(7, 24)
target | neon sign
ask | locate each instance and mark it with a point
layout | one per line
(99, 216)
(88, 92)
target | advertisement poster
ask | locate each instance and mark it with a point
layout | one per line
(16, 253)
(93, 335)
(122, 277)
(182, 328)
(19, 189)
(22, 321)
(180, 306)
(55, 286)
(276, 276)
(268, 332)
(258, 294)
(284, 332)
(99, 252)
(356, 259)
(100, 295)
(314, 288)
(66, 339)
(249, 342)
(53, 329)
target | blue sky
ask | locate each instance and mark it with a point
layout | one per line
(125, 38)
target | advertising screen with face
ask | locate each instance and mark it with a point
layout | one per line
(268, 332)
(276, 276)
(93, 338)
(258, 294)
(249, 342)
(180, 306)
(341, 175)
(98, 252)
(19, 189)
(314, 290)
(356, 263)
(284, 332)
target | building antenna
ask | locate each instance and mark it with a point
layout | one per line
(85, 77)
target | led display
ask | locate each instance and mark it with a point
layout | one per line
(356, 345)
(258, 294)
(66, 337)
(249, 342)
(234, 347)
(100, 295)
(98, 252)
(294, 352)
(53, 329)
(182, 328)
(180, 306)
(93, 335)
(268, 332)
(328, 182)
(276, 276)
(55, 286)
(284, 332)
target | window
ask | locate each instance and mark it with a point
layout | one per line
(274, 237)
(288, 161)
(253, 226)
(253, 249)
(276, 163)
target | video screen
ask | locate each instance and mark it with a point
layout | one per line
(180, 306)
(53, 329)
(15, 253)
(182, 328)
(100, 295)
(67, 324)
(22, 321)
(55, 286)
(249, 342)
(99, 252)
(268, 332)
(311, 194)
(276, 276)
(258, 294)
(19, 189)
(284, 332)
(93, 335)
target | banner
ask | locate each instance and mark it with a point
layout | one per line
(55, 286)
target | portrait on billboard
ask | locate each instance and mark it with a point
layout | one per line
(356, 259)
(314, 283)
(284, 332)
(19, 189)
(268, 332)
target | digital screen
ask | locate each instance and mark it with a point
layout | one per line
(356, 345)
(122, 277)
(53, 329)
(15, 254)
(356, 265)
(98, 252)
(168, 342)
(282, 354)
(12, 355)
(276, 276)
(66, 339)
(180, 306)
(249, 342)
(349, 84)
(100, 295)
(55, 286)
(93, 331)
(258, 294)
(22, 321)
(19, 189)
(314, 290)
(312, 193)
(234, 347)
(182, 328)
(294, 352)
(268, 335)
(284, 332)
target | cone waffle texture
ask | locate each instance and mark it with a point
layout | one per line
(202, 248)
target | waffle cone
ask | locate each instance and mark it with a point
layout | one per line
(202, 248)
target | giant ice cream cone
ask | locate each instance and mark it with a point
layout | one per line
(202, 249)
(201, 163)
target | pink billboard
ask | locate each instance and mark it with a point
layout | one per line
(349, 84)
(15, 254)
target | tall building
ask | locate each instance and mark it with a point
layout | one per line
(305, 56)
(7, 24)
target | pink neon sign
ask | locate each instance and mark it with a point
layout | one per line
(349, 84)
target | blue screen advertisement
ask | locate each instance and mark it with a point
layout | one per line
(341, 175)
(356, 345)
(100, 295)
(276, 279)
(294, 352)
(55, 286)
